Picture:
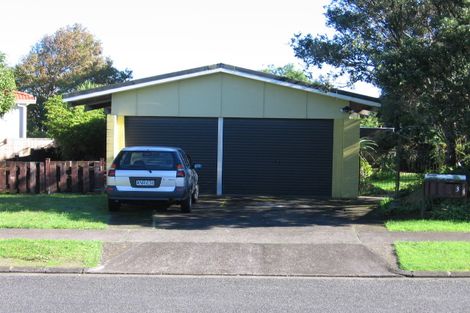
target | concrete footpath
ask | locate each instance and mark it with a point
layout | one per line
(254, 235)
(352, 250)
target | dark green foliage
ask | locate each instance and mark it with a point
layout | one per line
(7, 87)
(289, 71)
(455, 210)
(417, 52)
(80, 134)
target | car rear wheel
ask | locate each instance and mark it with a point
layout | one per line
(187, 204)
(113, 206)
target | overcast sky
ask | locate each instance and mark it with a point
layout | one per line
(156, 37)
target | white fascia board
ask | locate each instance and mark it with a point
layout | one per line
(141, 85)
(25, 102)
(227, 71)
(304, 88)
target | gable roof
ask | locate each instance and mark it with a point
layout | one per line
(24, 98)
(102, 96)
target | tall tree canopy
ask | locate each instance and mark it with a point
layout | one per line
(416, 51)
(7, 87)
(290, 71)
(59, 63)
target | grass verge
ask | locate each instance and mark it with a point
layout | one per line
(64, 211)
(50, 253)
(428, 226)
(452, 256)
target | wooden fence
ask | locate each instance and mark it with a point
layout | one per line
(52, 176)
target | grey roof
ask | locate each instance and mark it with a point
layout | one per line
(102, 95)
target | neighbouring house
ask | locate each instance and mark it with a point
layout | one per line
(254, 133)
(13, 125)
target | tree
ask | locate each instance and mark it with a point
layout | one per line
(289, 71)
(416, 51)
(59, 63)
(7, 87)
(80, 134)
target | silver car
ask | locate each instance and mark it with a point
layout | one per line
(152, 174)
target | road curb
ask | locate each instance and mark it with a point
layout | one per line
(429, 274)
(92, 271)
(43, 270)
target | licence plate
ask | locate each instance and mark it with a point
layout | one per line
(145, 182)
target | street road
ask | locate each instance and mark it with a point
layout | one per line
(107, 293)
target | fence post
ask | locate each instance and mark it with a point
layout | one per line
(47, 168)
(398, 165)
(62, 176)
(42, 177)
(53, 176)
(86, 176)
(96, 175)
(22, 177)
(3, 175)
(12, 177)
(102, 174)
(32, 177)
(74, 175)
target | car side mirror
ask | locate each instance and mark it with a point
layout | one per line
(197, 166)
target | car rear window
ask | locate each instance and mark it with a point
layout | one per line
(147, 160)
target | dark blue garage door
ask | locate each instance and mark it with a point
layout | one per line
(196, 136)
(278, 156)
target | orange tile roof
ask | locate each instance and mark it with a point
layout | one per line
(19, 95)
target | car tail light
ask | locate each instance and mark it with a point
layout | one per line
(112, 170)
(180, 171)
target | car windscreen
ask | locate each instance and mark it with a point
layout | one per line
(147, 160)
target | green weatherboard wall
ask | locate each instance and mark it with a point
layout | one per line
(226, 95)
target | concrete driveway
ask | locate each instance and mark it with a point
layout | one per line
(247, 236)
(250, 212)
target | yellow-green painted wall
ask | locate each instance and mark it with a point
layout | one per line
(115, 137)
(345, 183)
(226, 95)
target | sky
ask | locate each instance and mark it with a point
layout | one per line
(155, 37)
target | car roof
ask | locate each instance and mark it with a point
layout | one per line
(151, 148)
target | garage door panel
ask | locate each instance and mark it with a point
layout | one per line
(277, 156)
(196, 136)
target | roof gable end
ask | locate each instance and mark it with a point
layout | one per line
(104, 93)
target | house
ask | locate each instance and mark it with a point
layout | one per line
(254, 133)
(13, 125)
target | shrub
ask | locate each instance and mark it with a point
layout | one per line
(80, 134)
(456, 210)
(366, 169)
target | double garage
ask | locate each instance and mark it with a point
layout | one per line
(259, 156)
(254, 133)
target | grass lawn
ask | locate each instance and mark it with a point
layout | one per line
(66, 211)
(428, 225)
(453, 256)
(387, 182)
(50, 253)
